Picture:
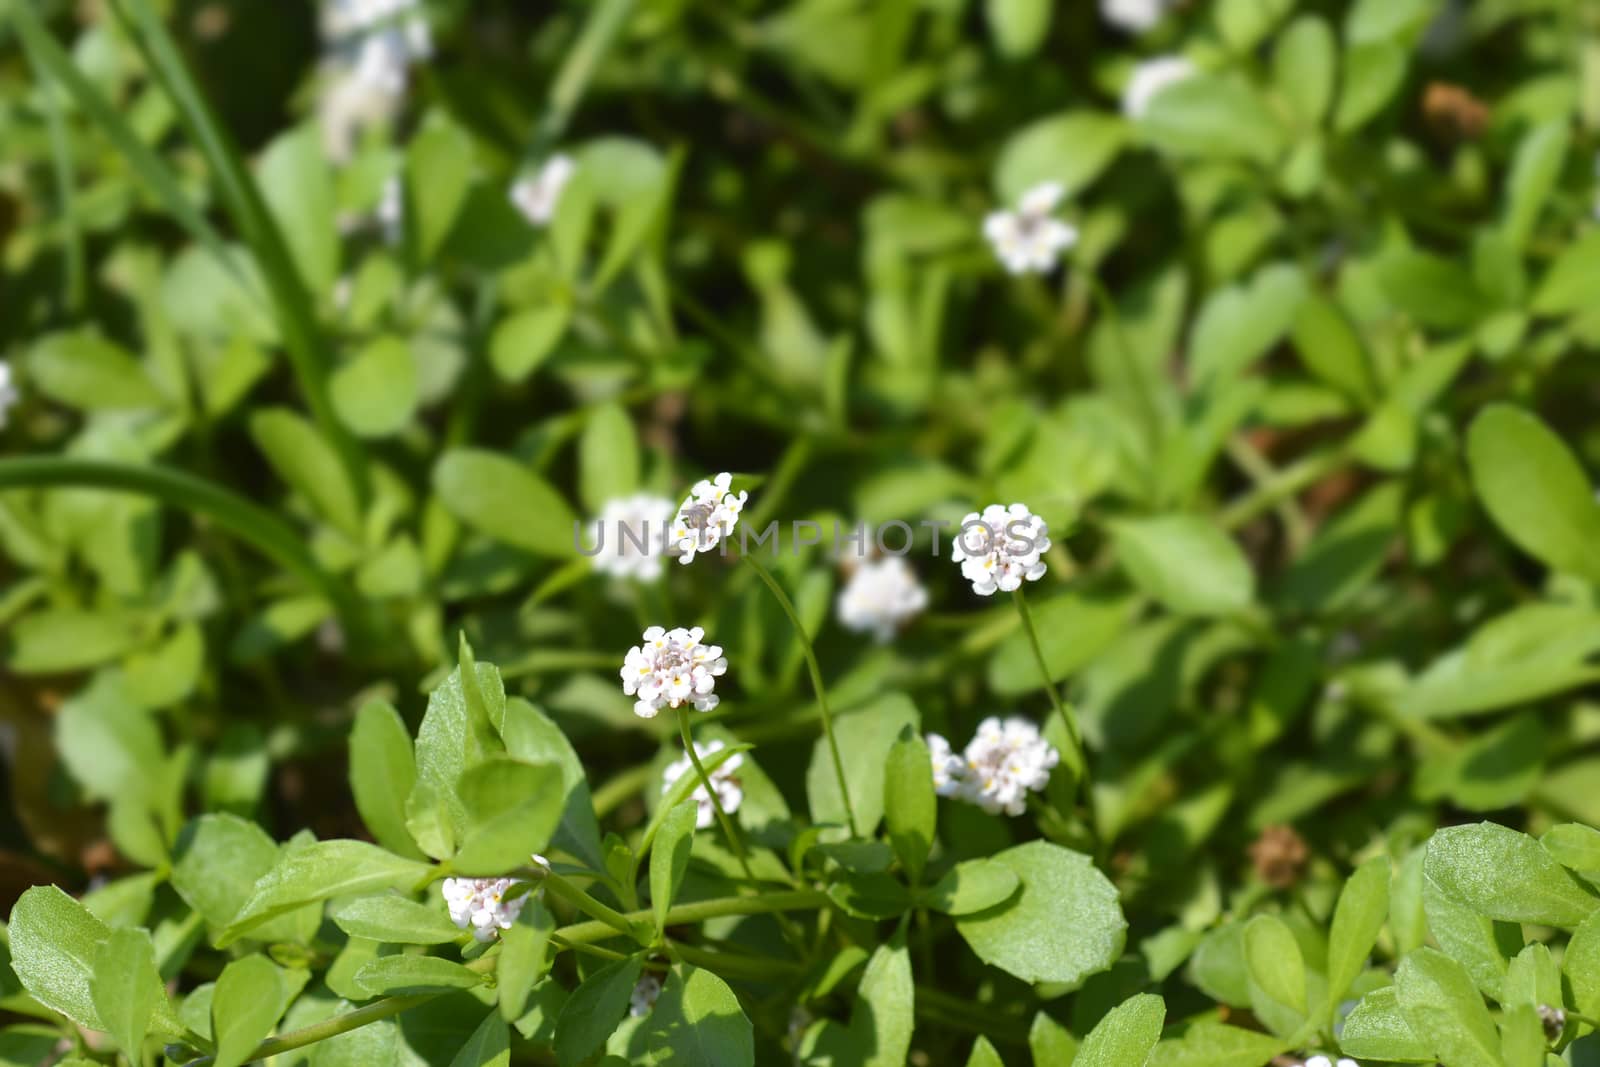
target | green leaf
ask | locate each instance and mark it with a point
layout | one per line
(1240, 324)
(54, 944)
(1581, 965)
(1126, 1036)
(1435, 291)
(1506, 875)
(1534, 171)
(910, 807)
(56, 640)
(1277, 974)
(1049, 1042)
(438, 175)
(489, 1045)
(1072, 148)
(112, 748)
(608, 459)
(1373, 74)
(249, 997)
(865, 737)
(1344, 556)
(1019, 27)
(217, 862)
(317, 872)
(1475, 941)
(1359, 916)
(881, 1023)
(1305, 66)
(1208, 1044)
(1186, 563)
(525, 340)
(376, 392)
(532, 737)
(524, 959)
(1437, 998)
(696, 1021)
(1574, 846)
(1213, 117)
(1375, 1030)
(511, 810)
(972, 886)
(1496, 769)
(404, 975)
(1522, 1040)
(395, 920)
(594, 1009)
(87, 372)
(1569, 284)
(364, 1046)
(984, 1055)
(503, 499)
(669, 859)
(297, 185)
(126, 987)
(1535, 490)
(1330, 347)
(28, 1044)
(1531, 651)
(382, 772)
(308, 463)
(1073, 628)
(1065, 924)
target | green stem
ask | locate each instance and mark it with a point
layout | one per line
(1287, 482)
(343, 1024)
(606, 19)
(816, 684)
(701, 910)
(560, 887)
(1069, 721)
(252, 524)
(734, 841)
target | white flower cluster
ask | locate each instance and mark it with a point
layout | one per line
(1001, 548)
(1320, 1060)
(625, 524)
(1030, 239)
(8, 392)
(371, 45)
(480, 905)
(538, 194)
(671, 668)
(1134, 16)
(1002, 762)
(730, 792)
(1149, 79)
(707, 515)
(645, 993)
(880, 596)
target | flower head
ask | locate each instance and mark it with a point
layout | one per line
(630, 536)
(1320, 1060)
(370, 46)
(537, 195)
(1029, 239)
(1003, 761)
(1149, 79)
(672, 668)
(8, 392)
(1001, 548)
(707, 515)
(480, 905)
(1134, 16)
(730, 793)
(645, 992)
(880, 596)
(391, 211)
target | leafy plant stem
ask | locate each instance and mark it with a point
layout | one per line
(816, 683)
(558, 886)
(701, 910)
(1069, 721)
(728, 829)
(343, 1024)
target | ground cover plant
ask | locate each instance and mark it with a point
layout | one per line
(834, 532)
